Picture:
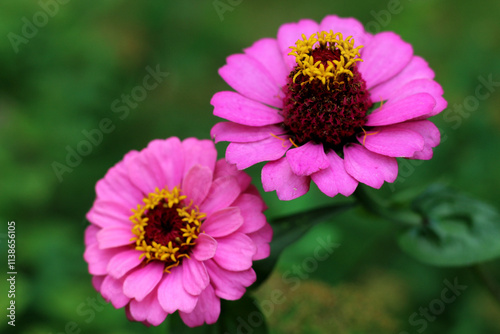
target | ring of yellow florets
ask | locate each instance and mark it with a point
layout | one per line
(186, 222)
(335, 71)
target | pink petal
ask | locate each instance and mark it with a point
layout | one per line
(206, 311)
(248, 154)
(251, 79)
(335, 179)
(115, 236)
(149, 310)
(199, 152)
(290, 33)
(194, 276)
(348, 27)
(421, 86)
(368, 167)
(205, 248)
(140, 173)
(237, 133)
(123, 262)
(251, 210)
(197, 183)
(267, 52)
(235, 252)
(109, 214)
(278, 175)
(385, 56)
(91, 235)
(222, 222)
(239, 109)
(392, 141)
(172, 295)
(307, 159)
(428, 131)
(403, 110)
(111, 290)
(230, 285)
(261, 239)
(116, 187)
(417, 68)
(97, 282)
(98, 259)
(222, 193)
(252, 190)
(167, 159)
(141, 282)
(222, 168)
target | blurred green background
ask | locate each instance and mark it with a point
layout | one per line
(62, 81)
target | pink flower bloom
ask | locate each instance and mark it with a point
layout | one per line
(172, 229)
(328, 102)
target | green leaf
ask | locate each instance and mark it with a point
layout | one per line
(457, 230)
(239, 316)
(289, 229)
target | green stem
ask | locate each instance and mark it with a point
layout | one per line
(382, 209)
(488, 281)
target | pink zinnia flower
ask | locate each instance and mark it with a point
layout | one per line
(304, 102)
(174, 230)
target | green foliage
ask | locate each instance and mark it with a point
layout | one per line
(457, 230)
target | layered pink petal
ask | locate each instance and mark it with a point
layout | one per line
(250, 207)
(140, 173)
(116, 186)
(222, 193)
(368, 167)
(409, 108)
(112, 290)
(207, 309)
(141, 282)
(392, 141)
(123, 262)
(205, 248)
(223, 222)
(307, 159)
(235, 252)
(172, 295)
(197, 183)
(98, 259)
(239, 109)
(384, 57)
(251, 79)
(428, 131)
(237, 133)
(347, 27)
(148, 310)
(417, 68)
(97, 282)
(248, 154)
(91, 235)
(334, 179)
(198, 152)
(266, 51)
(194, 276)
(115, 236)
(230, 285)
(278, 175)
(261, 239)
(421, 86)
(109, 214)
(222, 168)
(167, 159)
(289, 33)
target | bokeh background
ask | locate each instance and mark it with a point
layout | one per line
(64, 78)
